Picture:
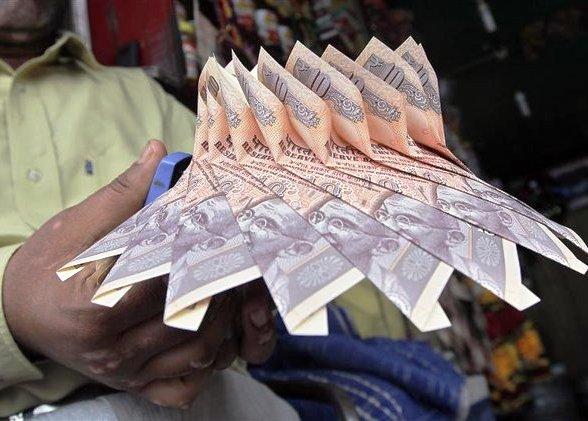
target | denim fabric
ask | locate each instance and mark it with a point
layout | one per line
(386, 379)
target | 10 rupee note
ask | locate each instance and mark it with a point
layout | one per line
(302, 270)
(445, 237)
(377, 251)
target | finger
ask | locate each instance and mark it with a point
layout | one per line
(178, 392)
(257, 321)
(77, 227)
(142, 342)
(227, 353)
(108, 207)
(143, 301)
(199, 352)
(139, 304)
(257, 345)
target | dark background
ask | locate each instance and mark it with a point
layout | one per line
(546, 49)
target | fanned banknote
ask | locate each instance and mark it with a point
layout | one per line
(316, 176)
(115, 242)
(422, 120)
(348, 113)
(282, 262)
(469, 183)
(302, 270)
(147, 255)
(150, 252)
(314, 324)
(420, 275)
(384, 63)
(412, 54)
(416, 56)
(487, 259)
(377, 251)
(209, 254)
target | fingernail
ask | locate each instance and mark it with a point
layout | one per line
(134, 384)
(206, 364)
(146, 154)
(201, 364)
(266, 337)
(96, 369)
(111, 365)
(259, 318)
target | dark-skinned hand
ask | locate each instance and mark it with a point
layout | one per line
(126, 347)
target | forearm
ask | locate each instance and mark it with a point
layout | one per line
(14, 366)
(23, 383)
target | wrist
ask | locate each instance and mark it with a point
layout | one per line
(14, 365)
(14, 307)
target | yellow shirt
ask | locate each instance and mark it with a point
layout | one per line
(67, 127)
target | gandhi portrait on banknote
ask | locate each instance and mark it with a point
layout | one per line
(279, 239)
(202, 249)
(372, 247)
(209, 225)
(417, 220)
(160, 225)
(497, 220)
(120, 235)
(273, 230)
(360, 238)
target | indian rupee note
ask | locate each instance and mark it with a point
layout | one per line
(148, 254)
(302, 270)
(319, 76)
(317, 322)
(410, 52)
(378, 96)
(421, 118)
(462, 246)
(115, 242)
(415, 55)
(209, 254)
(376, 250)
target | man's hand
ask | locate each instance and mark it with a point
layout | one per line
(126, 347)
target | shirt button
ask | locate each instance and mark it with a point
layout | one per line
(34, 175)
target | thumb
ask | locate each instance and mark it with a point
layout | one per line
(122, 197)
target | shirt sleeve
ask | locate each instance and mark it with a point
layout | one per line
(57, 383)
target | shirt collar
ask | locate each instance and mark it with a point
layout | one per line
(69, 45)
